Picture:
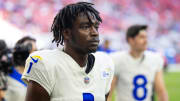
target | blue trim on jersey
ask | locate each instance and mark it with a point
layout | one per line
(17, 76)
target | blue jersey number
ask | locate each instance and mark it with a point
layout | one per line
(31, 63)
(88, 97)
(138, 86)
(30, 66)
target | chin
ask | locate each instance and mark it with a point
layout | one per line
(92, 50)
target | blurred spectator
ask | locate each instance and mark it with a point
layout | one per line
(2, 46)
(16, 87)
(105, 47)
(4, 65)
(160, 13)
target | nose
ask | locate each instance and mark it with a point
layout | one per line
(94, 31)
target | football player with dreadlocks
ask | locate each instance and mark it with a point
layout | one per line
(76, 72)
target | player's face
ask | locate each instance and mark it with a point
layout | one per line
(85, 35)
(139, 43)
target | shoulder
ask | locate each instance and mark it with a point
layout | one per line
(104, 59)
(118, 54)
(45, 56)
(44, 59)
(43, 53)
(153, 55)
(102, 56)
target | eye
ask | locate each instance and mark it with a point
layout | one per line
(97, 27)
(85, 27)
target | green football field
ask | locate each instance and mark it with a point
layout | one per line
(172, 81)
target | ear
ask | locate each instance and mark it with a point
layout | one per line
(130, 40)
(67, 34)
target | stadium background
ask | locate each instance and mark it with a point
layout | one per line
(20, 18)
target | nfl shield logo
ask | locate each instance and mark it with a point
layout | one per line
(86, 80)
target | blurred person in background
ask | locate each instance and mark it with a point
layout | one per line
(16, 87)
(137, 71)
(76, 72)
(105, 47)
(5, 64)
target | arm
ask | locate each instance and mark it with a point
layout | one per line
(113, 85)
(1, 95)
(106, 96)
(36, 92)
(160, 87)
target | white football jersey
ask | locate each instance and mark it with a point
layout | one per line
(65, 80)
(136, 76)
(16, 90)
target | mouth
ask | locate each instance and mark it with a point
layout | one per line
(94, 42)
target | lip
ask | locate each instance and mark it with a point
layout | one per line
(94, 42)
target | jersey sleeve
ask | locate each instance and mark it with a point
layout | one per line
(111, 75)
(36, 70)
(160, 63)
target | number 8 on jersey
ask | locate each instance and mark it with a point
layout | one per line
(138, 86)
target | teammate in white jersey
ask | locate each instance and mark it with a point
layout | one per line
(73, 73)
(137, 71)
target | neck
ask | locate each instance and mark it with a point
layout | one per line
(79, 57)
(136, 54)
(20, 69)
